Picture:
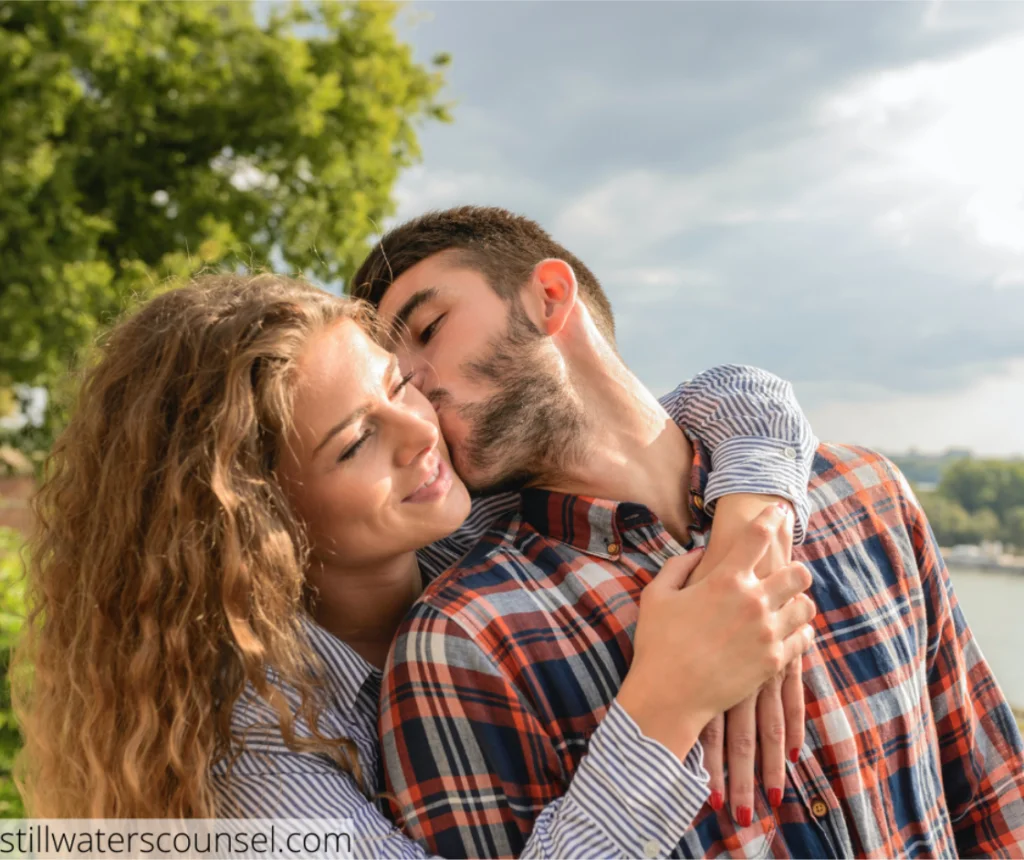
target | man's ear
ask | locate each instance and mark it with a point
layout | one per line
(554, 291)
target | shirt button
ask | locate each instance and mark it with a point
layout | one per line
(793, 489)
(652, 848)
(613, 548)
(819, 808)
(698, 502)
(789, 453)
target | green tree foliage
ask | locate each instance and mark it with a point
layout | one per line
(978, 500)
(140, 141)
(12, 611)
(1013, 527)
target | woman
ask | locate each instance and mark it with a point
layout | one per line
(220, 564)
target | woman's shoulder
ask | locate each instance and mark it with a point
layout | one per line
(265, 777)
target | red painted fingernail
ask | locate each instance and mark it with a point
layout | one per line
(775, 796)
(794, 755)
(716, 801)
(744, 815)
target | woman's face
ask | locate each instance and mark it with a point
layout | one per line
(365, 465)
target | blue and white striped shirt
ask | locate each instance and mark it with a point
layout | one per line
(631, 796)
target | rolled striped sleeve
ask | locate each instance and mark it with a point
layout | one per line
(759, 439)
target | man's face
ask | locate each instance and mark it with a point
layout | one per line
(487, 369)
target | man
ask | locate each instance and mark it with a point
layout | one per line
(508, 661)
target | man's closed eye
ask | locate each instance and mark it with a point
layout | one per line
(430, 330)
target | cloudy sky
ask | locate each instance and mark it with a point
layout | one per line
(831, 191)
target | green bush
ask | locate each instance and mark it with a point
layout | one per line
(12, 613)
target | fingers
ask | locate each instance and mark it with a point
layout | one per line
(793, 706)
(741, 735)
(785, 583)
(756, 537)
(675, 571)
(794, 615)
(797, 643)
(771, 735)
(712, 739)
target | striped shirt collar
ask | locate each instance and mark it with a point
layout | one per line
(346, 673)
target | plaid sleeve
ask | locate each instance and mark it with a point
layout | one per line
(473, 773)
(981, 751)
(759, 438)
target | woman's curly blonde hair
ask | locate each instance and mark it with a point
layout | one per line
(167, 570)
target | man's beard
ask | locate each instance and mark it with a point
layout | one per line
(532, 429)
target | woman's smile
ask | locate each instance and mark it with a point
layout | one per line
(436, 485)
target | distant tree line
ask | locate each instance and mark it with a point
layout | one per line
(977, 500)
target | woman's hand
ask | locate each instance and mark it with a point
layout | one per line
(771, 720)
(700, 650)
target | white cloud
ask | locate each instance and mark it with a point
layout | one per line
(639, 208)
(948, 132)
(421, 189)
(1008, 279)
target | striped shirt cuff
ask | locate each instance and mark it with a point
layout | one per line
(636, 789)
(769, 467)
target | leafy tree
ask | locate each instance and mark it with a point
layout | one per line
(994, 484)
(142, 140)
(1013, 528)
(950, 522)
(972, 483)
(979, 500)
(12, 611)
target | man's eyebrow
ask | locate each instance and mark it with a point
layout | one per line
(359, 413)
(409, 308)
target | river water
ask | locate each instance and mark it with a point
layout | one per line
(994, 606)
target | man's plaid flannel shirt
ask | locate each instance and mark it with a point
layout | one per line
(508, 662)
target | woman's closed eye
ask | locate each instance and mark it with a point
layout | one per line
(353, 449)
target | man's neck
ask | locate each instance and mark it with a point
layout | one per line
(634, 451)
(364, 606)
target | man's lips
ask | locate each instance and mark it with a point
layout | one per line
(436, 483)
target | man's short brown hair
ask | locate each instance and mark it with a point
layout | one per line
(502, 246)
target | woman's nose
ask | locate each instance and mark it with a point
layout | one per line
(417, 437)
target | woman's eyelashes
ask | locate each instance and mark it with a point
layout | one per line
(351, 451)
(404, 381)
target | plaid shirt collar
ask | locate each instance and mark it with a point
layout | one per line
(596, 526)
